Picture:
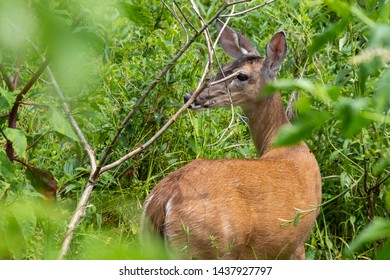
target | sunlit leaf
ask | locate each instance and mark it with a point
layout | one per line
(18, 139)
(7, 99)
(382, 92)
(328, 35)
(301, 129)
(379, 36)
(137, 14)
(25, 217)
(60, 124)
(376, 230)
(7, 169)
(318, 91)
(384, 252)
(349, 111)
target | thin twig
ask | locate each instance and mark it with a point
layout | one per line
(248, 10)
(184, 16)
(174, 14)
(209, 43)
(15, 82)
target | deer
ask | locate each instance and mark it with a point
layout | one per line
(235, 208)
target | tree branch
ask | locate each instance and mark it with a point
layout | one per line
(142, 99)
(248, 10)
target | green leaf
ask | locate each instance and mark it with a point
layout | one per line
(60, 124)
(139, 15)
(317, 90)
(382, 93)
(301, 129)
(384, 252)
(387, 196)
(328, 35)
(18, 139)
(379, 36)
(350, 112)
(7, 99)
(297, 218)
(25, 217)
(340, 7)
(7, 169)
(376, 230)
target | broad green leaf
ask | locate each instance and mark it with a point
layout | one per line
(18, 139)
(382, 93)
(340, 7)
(379, 36)
(349, 111)
(60, 124)
(25, 217)
(139, 15)
(328, 35)
(292, 134)
(317, 90)
(7, 169)
(384, 252)
(376, 230)
(7, 99)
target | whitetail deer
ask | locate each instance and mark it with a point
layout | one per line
(233, 208)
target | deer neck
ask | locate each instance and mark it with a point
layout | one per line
(265, 116)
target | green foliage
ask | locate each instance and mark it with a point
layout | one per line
(377, 230)
(105, 54)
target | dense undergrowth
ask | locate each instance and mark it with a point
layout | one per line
(105, 54)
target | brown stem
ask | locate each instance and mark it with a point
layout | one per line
(14, 111)
(15, 83)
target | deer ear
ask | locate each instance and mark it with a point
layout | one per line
(275, 53)
(234, 43)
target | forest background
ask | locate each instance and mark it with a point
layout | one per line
(92, 116)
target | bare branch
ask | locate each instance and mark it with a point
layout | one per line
(209, 43)
(79, 213)
(248, 10)
(184, 16)
(173, 13)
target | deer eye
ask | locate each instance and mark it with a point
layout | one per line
(242, 77)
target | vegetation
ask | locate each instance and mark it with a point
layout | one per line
(72, 71)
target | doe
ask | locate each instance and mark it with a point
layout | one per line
(234, 208)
